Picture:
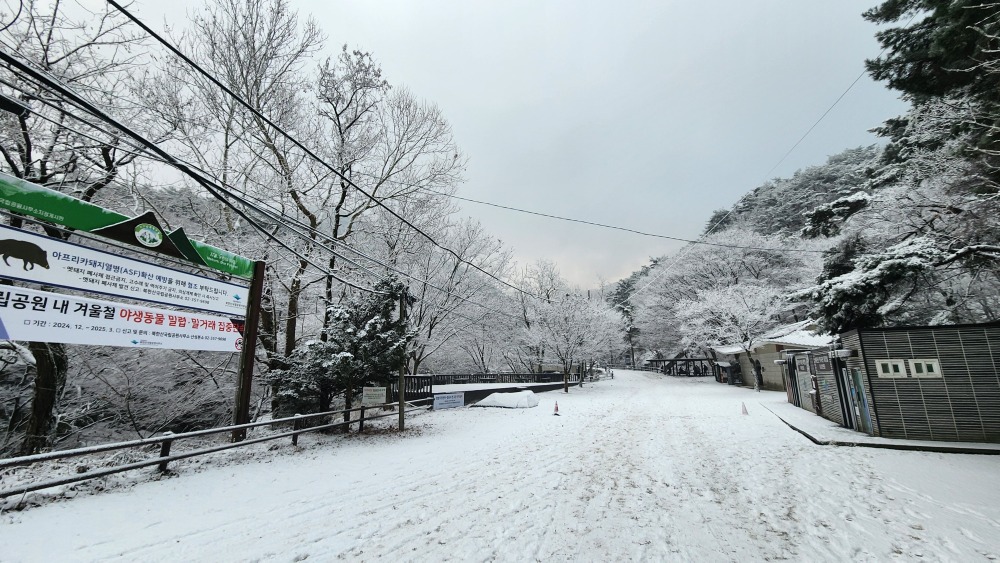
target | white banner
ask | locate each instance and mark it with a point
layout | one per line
(41, 316)
(29, 257)
(449, 400)
(372, 396)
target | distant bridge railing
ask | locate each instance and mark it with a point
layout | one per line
(510, 378)
(636, 368)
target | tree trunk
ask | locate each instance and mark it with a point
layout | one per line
(291, 321)
(51, 365)
(348, 404)
(328, 295)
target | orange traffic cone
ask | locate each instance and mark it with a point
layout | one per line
(744, 408)
(557, 409)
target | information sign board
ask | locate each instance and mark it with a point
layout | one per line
(372, 396)
(449, 400)
(35, 258)
(43, 316)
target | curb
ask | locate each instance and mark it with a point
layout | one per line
(876, 445)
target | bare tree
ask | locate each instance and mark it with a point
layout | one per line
(573, 329)
(94, 55)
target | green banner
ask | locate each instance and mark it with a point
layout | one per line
(42, 203)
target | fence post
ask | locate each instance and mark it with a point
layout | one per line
(165, 451)
(361, 421)
(296, 425)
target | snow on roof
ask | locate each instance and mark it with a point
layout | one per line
(798, 334)
(729, 349)
(782, 330)
(803, 338)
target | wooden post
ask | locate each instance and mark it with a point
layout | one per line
(241, 414)
(165, 451)
(402, 372)
(361, 421)
(296, 425)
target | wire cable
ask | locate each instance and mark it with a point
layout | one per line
(452, 196)
(68, 93)
(829, 109)
(306, 150)
(139, 150)
(261, 207)
(20, 8)
(712, 229)
(602, 225)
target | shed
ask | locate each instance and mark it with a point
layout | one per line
(925, 382)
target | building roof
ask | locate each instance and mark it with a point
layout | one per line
(798, 334)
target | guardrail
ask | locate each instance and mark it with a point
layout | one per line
(514, 378)
(640, 368)
(167, 439)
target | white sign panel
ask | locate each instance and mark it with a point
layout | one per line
(449, 400)
(48, 261)
(41, 316)
(372, 396)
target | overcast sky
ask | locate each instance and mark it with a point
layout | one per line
(648, 114)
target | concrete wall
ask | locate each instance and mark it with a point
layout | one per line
(772, 373)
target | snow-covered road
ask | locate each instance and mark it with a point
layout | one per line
(637, 468)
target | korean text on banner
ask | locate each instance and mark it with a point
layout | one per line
(48, 261)
(42, 316)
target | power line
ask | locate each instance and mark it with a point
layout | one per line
(664, 270)
(140, 151)
(427, 190)
(283, 220)
(617, 228)
(813, 126)
(306, 150)
(829, 109)
(20, 8)
(68, 93)
(261, 207)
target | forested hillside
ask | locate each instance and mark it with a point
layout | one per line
(781, 205)
(906, 234)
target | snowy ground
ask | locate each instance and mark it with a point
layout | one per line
(641, 467)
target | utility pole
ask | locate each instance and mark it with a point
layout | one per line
(402, 369)
(241, 412)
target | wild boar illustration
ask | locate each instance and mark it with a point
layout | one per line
(30, 253)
